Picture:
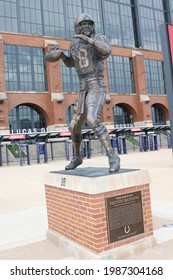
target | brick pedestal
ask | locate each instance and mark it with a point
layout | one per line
(78, 211)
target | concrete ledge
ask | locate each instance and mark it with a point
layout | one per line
(92, 180)
(3, 96)
(120, 253)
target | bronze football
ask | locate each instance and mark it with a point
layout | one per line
(53, 55)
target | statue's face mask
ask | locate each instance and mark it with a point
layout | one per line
(86, 28)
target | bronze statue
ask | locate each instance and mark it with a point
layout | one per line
(87, 53)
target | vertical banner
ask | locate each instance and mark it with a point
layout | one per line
(166, 32)
(170, 34)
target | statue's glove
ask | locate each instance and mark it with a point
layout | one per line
(86, 39)
(54, 54)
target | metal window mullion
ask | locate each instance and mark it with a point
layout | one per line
(119, 12)
(17, 68)
(157, 72)
(114, 76)
(136, 23)
(32, 69)
(167, 8)
(157, 114)
(45, 72)
(159, 80)
(65, 18)
(164, 83)
(18, 122)
(149, 75)
(18, 16)
(155, 27)
(32, 117)
(157, 33)
(133, 85)
(42, 17)
(170, 11)
(102, 13)
(71, 79)
(121, 5)
(163, 76)
(124, 75)
(123, 115)
(82, 6)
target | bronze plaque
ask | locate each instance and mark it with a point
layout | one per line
(124, 216)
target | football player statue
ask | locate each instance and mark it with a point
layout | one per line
(87, 53)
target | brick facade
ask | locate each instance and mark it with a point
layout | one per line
(54, 112)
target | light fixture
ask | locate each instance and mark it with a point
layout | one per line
(1, 118)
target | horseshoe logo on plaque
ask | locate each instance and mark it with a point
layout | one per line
(127, 229)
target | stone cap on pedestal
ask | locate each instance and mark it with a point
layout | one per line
(95, 180)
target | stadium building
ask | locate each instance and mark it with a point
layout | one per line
(38, 96)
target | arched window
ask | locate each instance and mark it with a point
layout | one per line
(122, 116)
(24, 118)
(158, 115)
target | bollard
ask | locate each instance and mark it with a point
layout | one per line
(143, 143)
(41, 148)
(0, 154)
(153, 142)
(121, 145)
(169, 140)
(113, 142)
(21, 146)
(86, 148)
(67, 152)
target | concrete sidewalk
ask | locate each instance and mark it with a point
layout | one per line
(23, 216)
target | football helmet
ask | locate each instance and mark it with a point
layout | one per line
(85, 25)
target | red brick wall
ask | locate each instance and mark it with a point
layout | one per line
(52, 111)
(82, 217)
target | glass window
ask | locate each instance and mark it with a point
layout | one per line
(26, 117)
(74, 9)
(11, 75)
(118, 23)
(155, 76)
(30, 17)
(151, 15)
(24, 68)
(93, 8)
(122, 116)
(128, 23)
(120, 74)
(8, 15)
(70, 79)
(158, 116)
(54, 18)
